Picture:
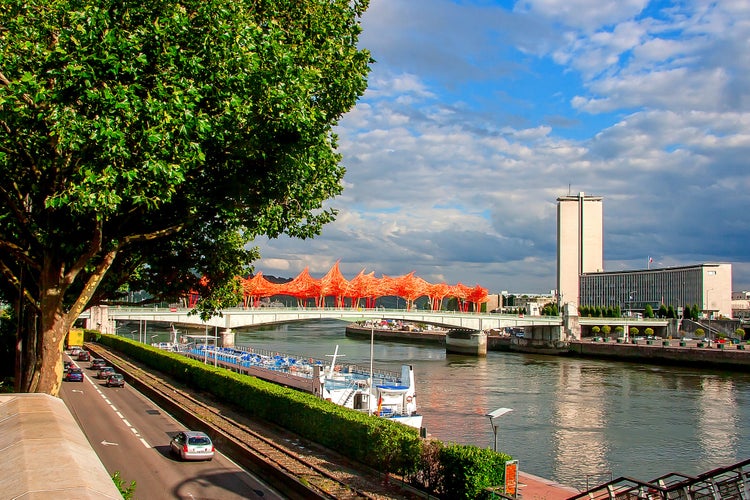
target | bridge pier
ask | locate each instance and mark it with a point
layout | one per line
(466, 341)
(571, 329)
(99, 320)
(226, 338)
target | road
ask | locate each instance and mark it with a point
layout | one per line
(131, 435)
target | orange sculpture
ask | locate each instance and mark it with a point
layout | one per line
(304, 288)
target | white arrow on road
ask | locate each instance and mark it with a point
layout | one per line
(107, 443)
(77, 390)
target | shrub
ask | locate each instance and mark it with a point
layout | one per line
(467, 470)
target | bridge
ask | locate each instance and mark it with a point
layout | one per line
(235, 318)
(543, 328)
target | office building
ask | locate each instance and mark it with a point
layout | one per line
(708, 286)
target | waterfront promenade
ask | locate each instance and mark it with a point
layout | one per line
(531, 487)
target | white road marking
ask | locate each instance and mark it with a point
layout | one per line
(120, 415)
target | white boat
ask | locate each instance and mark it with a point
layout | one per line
(385, 394)
(381, 394)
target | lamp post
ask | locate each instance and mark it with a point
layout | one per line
(630, 314)
(708, 310)
(496, 415)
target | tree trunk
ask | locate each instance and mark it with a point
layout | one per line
(45, 375)
(52, 340)
(27, 346)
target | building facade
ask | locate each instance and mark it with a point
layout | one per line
(709, 286)
(580, 236)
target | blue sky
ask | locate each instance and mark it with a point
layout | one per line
(479, 114)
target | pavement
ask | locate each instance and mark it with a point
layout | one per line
(531, 487)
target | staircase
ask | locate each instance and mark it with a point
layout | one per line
(724, 483)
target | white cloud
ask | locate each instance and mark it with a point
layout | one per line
(477, 118)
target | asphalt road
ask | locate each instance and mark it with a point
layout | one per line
(131, 435)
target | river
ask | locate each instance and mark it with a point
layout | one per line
(576, 421)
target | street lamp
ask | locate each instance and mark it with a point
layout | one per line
(630, 302)
(708, 310)
(496, 415)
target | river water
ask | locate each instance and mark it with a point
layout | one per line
(577, 421)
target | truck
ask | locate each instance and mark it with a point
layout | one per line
(74, 339)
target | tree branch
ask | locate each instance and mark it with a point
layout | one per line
(92, 284)
(19, 253)
(23, 221)
(16, 283)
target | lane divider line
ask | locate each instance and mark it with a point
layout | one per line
(120, 415)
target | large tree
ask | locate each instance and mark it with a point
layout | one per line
(150, 141)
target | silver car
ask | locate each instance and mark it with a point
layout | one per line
(192, 445)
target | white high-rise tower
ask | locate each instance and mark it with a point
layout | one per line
(580, 247)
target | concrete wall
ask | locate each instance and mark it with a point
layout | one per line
(728, 358)
(45, 453)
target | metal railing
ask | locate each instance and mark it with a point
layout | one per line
(725, 483)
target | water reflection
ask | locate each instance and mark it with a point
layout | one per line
(572, 419)
(718, 419)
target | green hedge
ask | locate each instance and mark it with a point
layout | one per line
(450, 471)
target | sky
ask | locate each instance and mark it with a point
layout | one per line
(479, 114)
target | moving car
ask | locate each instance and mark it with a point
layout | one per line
(105, 372)
(74, 374)
(192, 445)
(75, 351)
(97, 363)
(115, 380)
(84, 356)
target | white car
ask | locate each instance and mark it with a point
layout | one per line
(192, 445)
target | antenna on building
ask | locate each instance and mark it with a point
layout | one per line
(569, 189)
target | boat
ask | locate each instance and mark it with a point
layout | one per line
(381, 394)
(386, 394)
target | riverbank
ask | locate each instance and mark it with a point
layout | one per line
(575, 420)
(689, 353)
(667, 352)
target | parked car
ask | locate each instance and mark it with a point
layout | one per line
(115, 380)
(74, 374)
(97, 363)
(84, 356)
(192, 445)
(104, 372)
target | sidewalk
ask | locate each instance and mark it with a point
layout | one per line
(531, 487)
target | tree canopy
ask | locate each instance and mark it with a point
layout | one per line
(150, 142)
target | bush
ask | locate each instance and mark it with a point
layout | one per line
(468, 470)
